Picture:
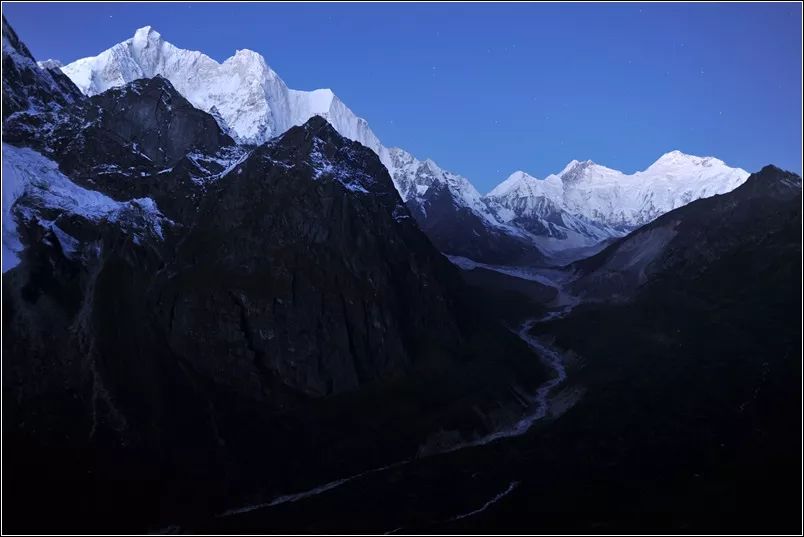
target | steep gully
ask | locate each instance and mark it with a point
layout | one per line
(561, 306)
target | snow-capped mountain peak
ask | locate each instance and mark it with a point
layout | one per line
(516, 182)
(676, 155)
(615, 200)
(145, 36)
(586, 170)
(240, 89)
(252, 60)
(682, 161)
(252, 103)
(572, 165)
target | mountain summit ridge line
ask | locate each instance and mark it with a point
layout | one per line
(253, 104)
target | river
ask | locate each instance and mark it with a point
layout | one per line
(561, 306)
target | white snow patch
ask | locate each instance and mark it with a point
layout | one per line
(30, 176)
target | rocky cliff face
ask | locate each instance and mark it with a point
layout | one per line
(142, 140)
(27, 87)
(458, 230)
(163, 133)
(312, 264)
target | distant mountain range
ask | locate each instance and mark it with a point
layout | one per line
(587, 203)
(521, 220)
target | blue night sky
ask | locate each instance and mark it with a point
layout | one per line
(487, 89)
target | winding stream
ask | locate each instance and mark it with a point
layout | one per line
(495, 499)
(540, 405)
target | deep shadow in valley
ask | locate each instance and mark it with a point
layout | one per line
(686, 408)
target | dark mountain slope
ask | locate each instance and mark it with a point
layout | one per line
(26, 87)
(689, 413)
(456, 230)
(141, 140)
(164, 133)
(302, 276)
(308, 256)
(237, 327)
(684, 242)
(694, 380)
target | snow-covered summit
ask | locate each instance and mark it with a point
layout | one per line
(518, 180)
(678, 162)
(243, 91)
(518, 185)
(240, 90)
(585, 171)
(615, 199)
(250, 101)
